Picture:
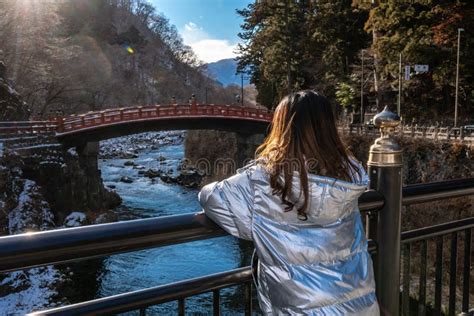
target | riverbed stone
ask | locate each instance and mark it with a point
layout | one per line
(126, 179)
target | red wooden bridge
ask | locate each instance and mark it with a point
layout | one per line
(94, 126)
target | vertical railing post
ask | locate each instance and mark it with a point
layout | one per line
(193, 105)
(385, 172)
(140, 112)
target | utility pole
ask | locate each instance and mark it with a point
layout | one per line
(399, 105)
(362, 91)
(242, 88)
(457, 80)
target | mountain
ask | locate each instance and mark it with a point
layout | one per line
(96, 54)
(224, 71)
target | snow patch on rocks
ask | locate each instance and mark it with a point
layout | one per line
(32, 211)
(75, 219)
(24, 291)
(32, 289)
(72, 151)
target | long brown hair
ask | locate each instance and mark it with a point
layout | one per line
(304, 138)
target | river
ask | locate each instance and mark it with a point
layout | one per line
(142, 269)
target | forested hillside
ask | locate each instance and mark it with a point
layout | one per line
(291, 45)
(77, 56)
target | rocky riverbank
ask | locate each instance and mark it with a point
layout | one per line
(130, 147)
(44, 186)
(66, 181)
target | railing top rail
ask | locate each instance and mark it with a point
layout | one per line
(437, 230)
(427, 192)
(24, 122)
(69, 244)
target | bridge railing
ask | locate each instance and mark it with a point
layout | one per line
(27, 127)
(114, 116)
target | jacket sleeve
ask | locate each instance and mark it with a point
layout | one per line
(229, 203)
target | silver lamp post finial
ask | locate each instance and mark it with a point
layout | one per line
(386, 151)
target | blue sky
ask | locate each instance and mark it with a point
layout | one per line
(210, 27)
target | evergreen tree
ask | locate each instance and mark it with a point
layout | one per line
(291, 45)
(424, 32)
(273, 49)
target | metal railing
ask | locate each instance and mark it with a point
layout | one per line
(423, 237)
(387, 243)
(72, 244)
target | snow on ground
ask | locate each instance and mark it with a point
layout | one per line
(30, 290)
(32, 212)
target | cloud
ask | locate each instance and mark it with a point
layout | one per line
(207, 49)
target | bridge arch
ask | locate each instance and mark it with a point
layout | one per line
(97, 126)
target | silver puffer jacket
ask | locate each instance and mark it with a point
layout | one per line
(320, 266)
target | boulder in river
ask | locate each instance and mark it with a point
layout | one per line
(189, 178)
(106, 217)
(152, 173)
(126, 179)
(129, 163)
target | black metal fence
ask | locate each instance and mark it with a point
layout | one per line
(422, 239)
(72, 244)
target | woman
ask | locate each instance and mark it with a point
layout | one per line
(298, 203)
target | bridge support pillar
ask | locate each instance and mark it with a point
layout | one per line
(88, 160)
(246, 146)
(89, 152)
(385, 172)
